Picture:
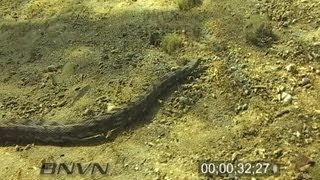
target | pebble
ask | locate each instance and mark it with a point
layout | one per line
(246, 92)
(292, 68)
(286, 98)
(163, 121)
(308, 140)
(304, 81)
(285, 23)
(316, 43)
(314, 126)
(87, 112)
(297, 134)
(136, 168)
(244, 107)
(281, 89)
(241, 107)
(110, 107)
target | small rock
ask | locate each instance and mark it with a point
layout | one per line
(292, 68)
(316, 43)
(281, 89)
(304, 81)
(286, 98)
(110, 107)
(87, 112)
(163, 121)
(297, 134)
(308, 140)
(246, 92)
(136, 168)
(51, 68)
(314, 126)
(238, 108)
(308, 86)
(285, 23)
(244, 107)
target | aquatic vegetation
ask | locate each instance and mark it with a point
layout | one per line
(188, 4)
(171, 42)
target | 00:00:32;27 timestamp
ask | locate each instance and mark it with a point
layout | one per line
(217, 168)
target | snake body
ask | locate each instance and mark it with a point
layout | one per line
(95, 127)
